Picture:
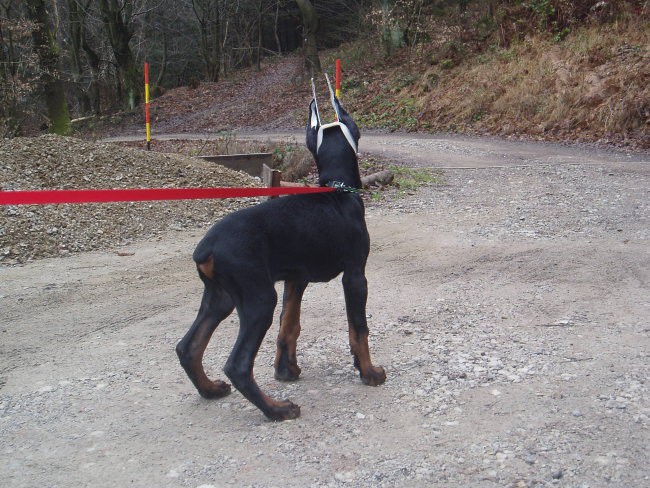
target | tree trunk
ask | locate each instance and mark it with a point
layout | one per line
(94, 61)
(216, 43)
(116, 20)
(208, 15)
(310, 27)
(275, 27)
(392, 36)
(491, 8)
(76, 20)
(163, 63)
(224, 21)
(9, 125)
(47, 52)
(258, 55)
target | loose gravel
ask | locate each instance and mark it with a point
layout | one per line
(50, 162)
(509, 307)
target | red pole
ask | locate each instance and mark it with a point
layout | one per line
(337, 84)
(146, 105)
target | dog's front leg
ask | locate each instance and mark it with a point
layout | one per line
(355, 288)
(286, 362)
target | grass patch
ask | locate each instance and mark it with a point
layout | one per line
(408, 180)
(295, 161)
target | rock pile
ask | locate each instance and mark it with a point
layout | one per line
(50, 162)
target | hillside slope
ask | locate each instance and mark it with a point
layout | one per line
(594, 86)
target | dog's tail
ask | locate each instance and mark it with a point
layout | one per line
(204, 261)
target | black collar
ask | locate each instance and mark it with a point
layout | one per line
(339, 186)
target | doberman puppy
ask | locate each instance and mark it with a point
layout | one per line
(297, 239)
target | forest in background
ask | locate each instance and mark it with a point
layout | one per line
(534, 66)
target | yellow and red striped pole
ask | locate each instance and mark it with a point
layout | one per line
(337, 83)
(146, 105)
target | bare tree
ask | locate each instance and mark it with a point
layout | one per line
(209, 16)
(47, 51)
(76, 19)
(310, 28)
(16, 61)
(117, 17)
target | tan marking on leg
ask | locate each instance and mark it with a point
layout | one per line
(208, 388)
(289, 330)
(273, 409)
(207, 268)
(205, 386)
(370, 375)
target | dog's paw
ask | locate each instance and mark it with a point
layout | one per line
(217, 389)
(289, 373)
(374, 376)
(284, 410)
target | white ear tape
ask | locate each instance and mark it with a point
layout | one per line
(316, 122)
(315, 116)
(344, 129)
(333, 98)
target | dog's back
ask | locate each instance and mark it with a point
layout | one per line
(309, 237)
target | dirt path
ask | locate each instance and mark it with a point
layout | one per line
(509, 306)
(442, 151)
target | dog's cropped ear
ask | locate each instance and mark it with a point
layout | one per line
(314, 117)
(312, 128)
(346, 119)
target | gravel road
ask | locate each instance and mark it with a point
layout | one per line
(508, 303)
(441, 150)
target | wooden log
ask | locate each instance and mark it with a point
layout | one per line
(291, 184)
(273, 178)
(82, 119)
(381, 178)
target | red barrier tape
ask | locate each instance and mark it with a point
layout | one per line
(46, 197)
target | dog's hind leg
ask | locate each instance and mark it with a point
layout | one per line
(216, 305)
(286, 363)
(355, 288)
(255, 317)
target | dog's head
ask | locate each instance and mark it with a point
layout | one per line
(334, 145)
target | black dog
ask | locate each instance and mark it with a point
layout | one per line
(296, 239)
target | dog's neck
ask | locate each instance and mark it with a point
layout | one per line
(334, 145)
(337, 162)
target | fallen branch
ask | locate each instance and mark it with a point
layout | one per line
(382, 178)
(271, 177)
(294, 184)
